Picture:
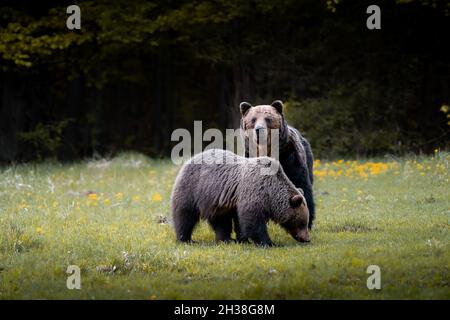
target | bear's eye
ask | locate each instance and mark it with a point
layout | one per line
(253, 120)
(268, 120)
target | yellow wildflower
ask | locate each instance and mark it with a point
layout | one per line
(119, 195)
(157, 197)
(92, 196)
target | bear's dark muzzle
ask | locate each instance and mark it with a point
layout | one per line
(303, 237)
(261, 135)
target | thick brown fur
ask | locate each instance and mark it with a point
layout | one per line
(295, 153)
(221, 187)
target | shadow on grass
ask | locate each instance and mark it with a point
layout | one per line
(214, 244)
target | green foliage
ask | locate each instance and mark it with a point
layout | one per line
(25, 40)
(45, 139)
(351, 91)
(443, 5)
(117, 28)
(351, 120)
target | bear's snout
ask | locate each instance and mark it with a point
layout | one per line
(303, 236)
(261, 133)
(260, 130)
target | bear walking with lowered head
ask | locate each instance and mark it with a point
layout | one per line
(295, 154)
(221, 187)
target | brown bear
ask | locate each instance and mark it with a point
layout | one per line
(221, 187)
(295, 154)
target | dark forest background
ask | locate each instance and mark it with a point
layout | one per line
(138, 69)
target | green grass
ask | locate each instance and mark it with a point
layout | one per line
(396, 218)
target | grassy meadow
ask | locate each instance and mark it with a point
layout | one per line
(112, 219)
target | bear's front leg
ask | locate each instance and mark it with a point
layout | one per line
(222, 227)
(261, 238)
(256, 230)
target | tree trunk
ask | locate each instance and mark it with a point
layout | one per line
(74, 103)
(12, 116)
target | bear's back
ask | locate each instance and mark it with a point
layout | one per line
(212, 177)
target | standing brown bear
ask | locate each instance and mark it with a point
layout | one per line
(295, 154)
(220, 186)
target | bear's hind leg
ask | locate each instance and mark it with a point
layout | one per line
(184, 221)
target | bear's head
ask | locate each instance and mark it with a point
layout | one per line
(297, 218)
(257, 122)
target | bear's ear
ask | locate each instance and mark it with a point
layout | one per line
(244, 106)
(278, 105)
(296, 201)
